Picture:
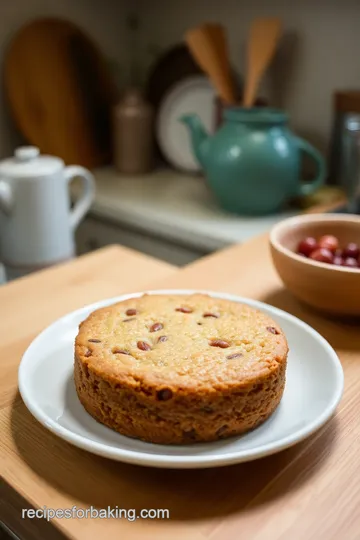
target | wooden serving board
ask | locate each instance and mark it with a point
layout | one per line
(60, 91)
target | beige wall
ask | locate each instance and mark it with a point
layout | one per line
(320, 50)
(103, 19)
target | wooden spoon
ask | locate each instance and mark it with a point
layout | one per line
(264, 37)
(208, 46)
(217, 34)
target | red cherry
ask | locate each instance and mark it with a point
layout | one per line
(352, 250)
(322, 255)
(350, 262)
(329, 242)
(307, 246)
(338, 253)
(338, 260)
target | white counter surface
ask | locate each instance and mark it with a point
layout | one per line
(173, 206)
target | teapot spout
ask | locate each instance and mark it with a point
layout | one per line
(199, 137)
(6, 198)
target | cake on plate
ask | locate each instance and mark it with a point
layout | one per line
(178, 369)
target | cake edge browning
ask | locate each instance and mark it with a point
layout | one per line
(163, 417)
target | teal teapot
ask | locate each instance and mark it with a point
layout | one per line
(253, 162)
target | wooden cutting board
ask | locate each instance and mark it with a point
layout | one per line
(60, 91)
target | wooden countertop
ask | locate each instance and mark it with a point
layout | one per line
(310, 491)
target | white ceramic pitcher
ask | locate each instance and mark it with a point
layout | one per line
(37, 223)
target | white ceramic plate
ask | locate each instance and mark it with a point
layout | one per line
(192, 95)
(313, 389)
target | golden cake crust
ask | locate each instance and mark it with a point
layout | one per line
(174, 369)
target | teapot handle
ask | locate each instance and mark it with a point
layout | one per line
(308, 187)
(84, 202)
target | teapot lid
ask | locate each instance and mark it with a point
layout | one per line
(28, 162)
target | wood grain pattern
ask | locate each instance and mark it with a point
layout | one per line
(309, 491)
(28, 305)
(60, 91)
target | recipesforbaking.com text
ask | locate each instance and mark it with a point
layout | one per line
(130, 514)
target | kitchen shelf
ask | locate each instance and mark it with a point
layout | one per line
(175, 207)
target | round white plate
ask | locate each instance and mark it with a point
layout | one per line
(314, 387)
(192, 95)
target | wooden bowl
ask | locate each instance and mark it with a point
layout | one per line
(331, 289)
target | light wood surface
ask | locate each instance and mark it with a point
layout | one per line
(310, 491)
(28, 305)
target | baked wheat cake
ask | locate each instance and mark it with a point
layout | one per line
(174, 369)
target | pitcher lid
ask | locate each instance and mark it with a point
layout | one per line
(28, 162)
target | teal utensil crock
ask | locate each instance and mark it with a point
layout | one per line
(253, 162)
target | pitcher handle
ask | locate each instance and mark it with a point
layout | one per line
(308, 187)
(84, 202)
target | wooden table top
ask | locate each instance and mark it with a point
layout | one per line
(310, 491)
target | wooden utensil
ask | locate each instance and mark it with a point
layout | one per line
(60, 91)
(207, 44)
(217, 34)
(264, 37)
